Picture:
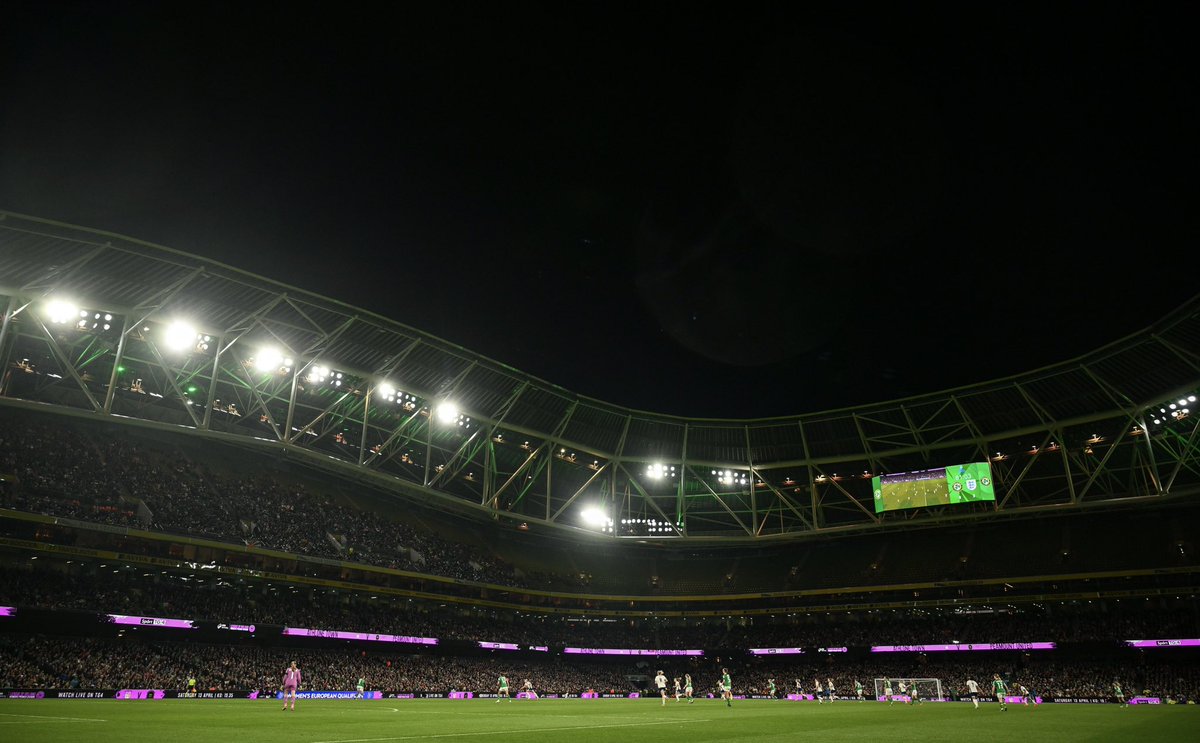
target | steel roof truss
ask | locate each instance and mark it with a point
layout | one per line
(721, 501)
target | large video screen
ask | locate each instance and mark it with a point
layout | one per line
(958, 483)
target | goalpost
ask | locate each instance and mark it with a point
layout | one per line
(924, 689)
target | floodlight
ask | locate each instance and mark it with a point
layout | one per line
(60, 311)
(268, 360)
(447, 412)
(318, 373)
(594, 517)
(658, 471)
(179, 336)
(730, 477)
(387, 392)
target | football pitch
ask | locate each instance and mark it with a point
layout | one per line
(578, 721)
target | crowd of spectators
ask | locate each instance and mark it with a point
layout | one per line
(73, 470)
(118, 590)
(53, 469)
(60, 471)
(56, 662)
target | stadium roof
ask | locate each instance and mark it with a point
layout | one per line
(1078, 432)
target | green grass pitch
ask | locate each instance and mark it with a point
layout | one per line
(579, 721)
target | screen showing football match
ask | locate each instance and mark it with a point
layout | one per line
(958, 483)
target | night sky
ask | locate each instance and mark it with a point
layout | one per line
(748, 210)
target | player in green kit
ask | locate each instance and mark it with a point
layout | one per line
(913, 696)
(502, 689)
(1120, 695)
(858, 689)
(361, 686)
(727, 685)
(771, 688)
(887, 691)
(999, 688)
(687, 687)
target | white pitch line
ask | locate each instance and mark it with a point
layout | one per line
(41, 722)
(511, 732)
(38, 718)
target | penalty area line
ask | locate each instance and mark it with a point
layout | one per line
(45, 718)
(512, 732)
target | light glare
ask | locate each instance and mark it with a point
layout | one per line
(594, 517)
(268, 360)
(179, 336)
(59, 311)
(447, 412)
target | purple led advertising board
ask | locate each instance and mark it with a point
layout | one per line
(629, 651)
(140, 694)
(333, 695)
(151, 621)
(8, 611)
(370, 636)
(498, 645)
(1163, 643)
(777, 651)
(960, 647)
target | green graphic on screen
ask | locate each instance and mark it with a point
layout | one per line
(958, 483)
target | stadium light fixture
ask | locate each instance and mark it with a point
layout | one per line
(179, 336)
(447, 412)
(595, 517)
(391, 394)
(730, 477)
(659, 471)
(60, 311)
(271, 359)
(93, 320)
(318, 374)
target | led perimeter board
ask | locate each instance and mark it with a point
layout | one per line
(958, 483)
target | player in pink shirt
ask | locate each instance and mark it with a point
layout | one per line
(291, 682)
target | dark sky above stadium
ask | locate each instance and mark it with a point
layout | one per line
(734, 210)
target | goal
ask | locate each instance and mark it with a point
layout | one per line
(925, 690)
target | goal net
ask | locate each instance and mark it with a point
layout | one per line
(906, 689)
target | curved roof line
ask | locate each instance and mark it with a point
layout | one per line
(194, 261)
